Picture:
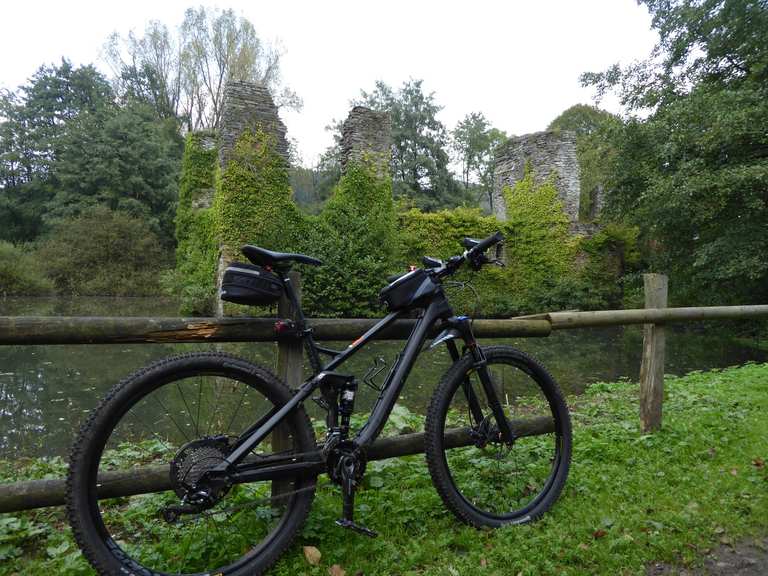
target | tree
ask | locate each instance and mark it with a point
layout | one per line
(68, 146)
(34, 123)
(419, 159)
(595, 131)
(124, 159)
(103, 252)
(474, 142)
(693, 174)
(183, 75)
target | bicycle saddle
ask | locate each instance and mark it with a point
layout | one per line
(264, 257)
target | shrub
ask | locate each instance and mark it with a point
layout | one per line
(103, 252)
(21, 273)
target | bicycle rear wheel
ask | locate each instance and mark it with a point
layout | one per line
(173, 421)
(481, 479)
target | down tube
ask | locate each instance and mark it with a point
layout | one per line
(394, 385)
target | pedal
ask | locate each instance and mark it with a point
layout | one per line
(359, 528)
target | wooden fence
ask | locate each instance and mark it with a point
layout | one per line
(109, 330)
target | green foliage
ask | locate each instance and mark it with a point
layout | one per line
(355, 236)
(361, 239)
(539, 250)
(474, 141)
(438, 234)
(34, 121)
(692, 175)
(21, 272)
(66, 146)
(253, 203)
(196, 241)
(606, 263)
(419, 159)
(102, 252)
(631, 498)
(595, 129)
(121, 158)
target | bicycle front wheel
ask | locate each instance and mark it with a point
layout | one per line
(139, 459)
(482, 479)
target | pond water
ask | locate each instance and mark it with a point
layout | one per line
(46, 391)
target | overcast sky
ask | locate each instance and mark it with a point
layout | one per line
(518, 62)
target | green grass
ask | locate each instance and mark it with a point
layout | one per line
(631, 498)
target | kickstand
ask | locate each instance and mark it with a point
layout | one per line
(348, 485)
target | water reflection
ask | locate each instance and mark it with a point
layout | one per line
(46, 391)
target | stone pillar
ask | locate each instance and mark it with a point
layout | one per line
(246, 106)
(366, 135)
(547, 152)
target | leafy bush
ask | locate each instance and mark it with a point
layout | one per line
(102, 252)
(21, 272)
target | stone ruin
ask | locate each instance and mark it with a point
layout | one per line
(366, 135)
(547, 153)
(248, 105)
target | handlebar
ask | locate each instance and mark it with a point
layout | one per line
(474, 255)
(486, 243)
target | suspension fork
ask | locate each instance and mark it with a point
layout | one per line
(464, 326)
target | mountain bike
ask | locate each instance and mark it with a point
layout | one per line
(206, 463)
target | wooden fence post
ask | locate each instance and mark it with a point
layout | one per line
(290, 369)
(652, 367)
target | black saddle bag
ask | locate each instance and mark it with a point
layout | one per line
(250, 284)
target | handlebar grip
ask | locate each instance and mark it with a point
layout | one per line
(486, 243)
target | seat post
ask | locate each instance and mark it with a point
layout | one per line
(301, 322)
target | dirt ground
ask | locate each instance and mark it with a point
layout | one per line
(749, 558)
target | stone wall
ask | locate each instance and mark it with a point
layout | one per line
(366, 134)
(547, 152)
(248, 105)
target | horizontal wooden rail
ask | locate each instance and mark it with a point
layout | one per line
(568, 320)
(41, 493)
(21, 330)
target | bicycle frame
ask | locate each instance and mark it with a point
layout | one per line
(437, 309)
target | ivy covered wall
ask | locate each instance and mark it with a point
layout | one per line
(196, 239)
(361, 238)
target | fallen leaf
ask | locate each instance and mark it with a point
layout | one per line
(312, 555)
(599, 533)
(336, 570)
(758, 463)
